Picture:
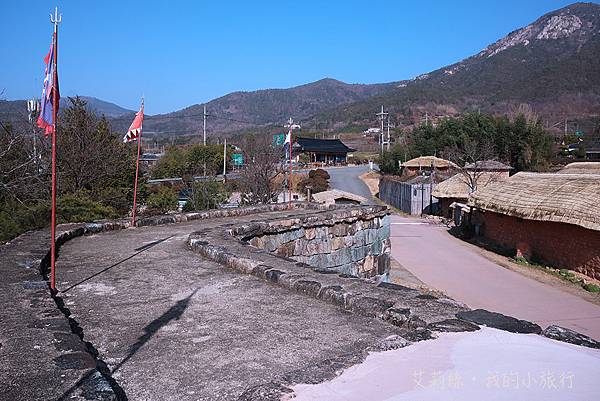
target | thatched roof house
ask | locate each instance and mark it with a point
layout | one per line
(457, 187)
(427, 161)
(581, 168)
(553, 219)
(561, 198)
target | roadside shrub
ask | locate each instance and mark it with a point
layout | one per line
(318, 180)
(318, 173)
(521, 260)
(162, 201)
(566, 273)
(80, 207)
(16, 218)
(591, 287)
(206, 195)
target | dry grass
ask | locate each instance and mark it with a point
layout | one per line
(371, 179)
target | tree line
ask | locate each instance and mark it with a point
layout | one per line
(520, 142)
(96, 170)
(95, 173)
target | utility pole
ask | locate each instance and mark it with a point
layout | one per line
(431, 188)
(382, 115)
(426, 118)
(224, 158)
(204, 126)
(388, 133)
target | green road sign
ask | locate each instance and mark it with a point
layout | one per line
(238, 159)
(579, 133)
(278, 139)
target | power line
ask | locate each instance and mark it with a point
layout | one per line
(169, 132)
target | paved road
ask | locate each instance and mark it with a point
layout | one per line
(447, 264)
(346, 179)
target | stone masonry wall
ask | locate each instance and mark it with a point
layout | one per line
(359, 246)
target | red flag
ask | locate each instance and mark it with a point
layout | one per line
(135, 129)
(46, 117)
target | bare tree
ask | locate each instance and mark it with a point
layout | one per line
(525, 110)
(257, 178)
(19, 175)
(472, 159)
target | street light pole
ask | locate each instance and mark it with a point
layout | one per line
(33, 107)
(291, 127)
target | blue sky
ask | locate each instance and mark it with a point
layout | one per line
(179, 53)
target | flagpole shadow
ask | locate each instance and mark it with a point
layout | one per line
(174, 313)
(139, 250)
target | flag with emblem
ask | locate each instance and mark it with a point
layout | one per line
(49, 101)
(134, 133)
(135, 129)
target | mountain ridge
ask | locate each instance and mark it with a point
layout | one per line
(17, 109)
(550, 64)
(241, 109)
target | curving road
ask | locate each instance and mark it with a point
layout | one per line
(346, 179)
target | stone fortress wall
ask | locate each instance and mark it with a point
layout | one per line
(357, 245)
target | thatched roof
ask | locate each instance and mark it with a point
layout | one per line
(426, 161)
(488, 165)
(457, 186)
(581, 168)
(561, 198)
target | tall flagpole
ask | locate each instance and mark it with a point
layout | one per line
(290, 180)
(137, 169)
(56, 19)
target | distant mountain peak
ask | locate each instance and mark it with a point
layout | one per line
(551, 64)
(329, 80)
(560, 26)
(98, 106)
(575, 21)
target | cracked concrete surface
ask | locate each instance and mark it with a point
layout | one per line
(173, 326)
(160, 321)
